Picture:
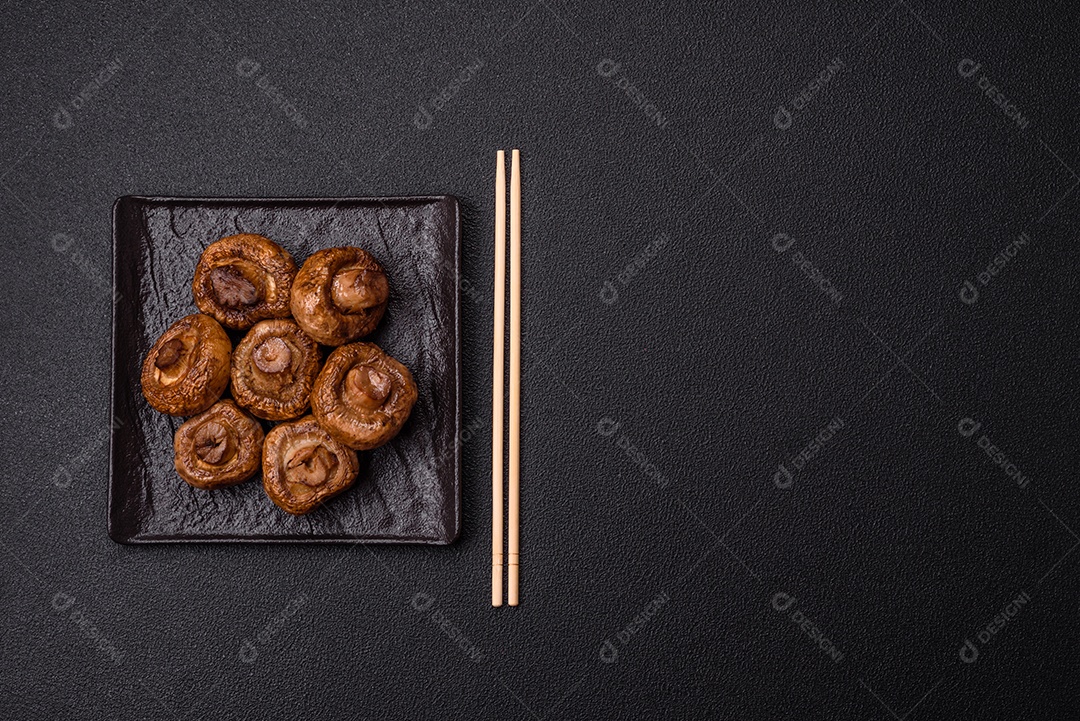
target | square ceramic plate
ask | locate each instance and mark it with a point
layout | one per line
(408, 491)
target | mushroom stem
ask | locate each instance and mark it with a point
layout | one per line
(366, 387)
(272, 355)
(357, 290)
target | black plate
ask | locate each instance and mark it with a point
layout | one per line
(409, 491)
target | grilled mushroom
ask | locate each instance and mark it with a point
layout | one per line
(304, 466)
(363, 396)
(221, 447)
(243, 279)
(339, 295)
(273, 370)
(187, 369)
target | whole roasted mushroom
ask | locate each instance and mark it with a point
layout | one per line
(304, 466)
(187, 369)
(274, 369)
(363, 396)
(221, 447)
(242, 279)
(339, 295)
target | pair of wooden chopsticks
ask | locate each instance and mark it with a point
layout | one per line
(515, 383)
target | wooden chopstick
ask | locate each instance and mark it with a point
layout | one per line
(514, 520)
(497, 384)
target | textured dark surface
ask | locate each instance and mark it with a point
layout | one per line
(408, 490)
(901, 540)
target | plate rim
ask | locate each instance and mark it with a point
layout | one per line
(456, 529)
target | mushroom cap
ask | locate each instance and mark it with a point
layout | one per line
(339, 295)
(187, 369)
(303, 466)
(363, 396)
(242, 279)
(273, 370)
(221, 447)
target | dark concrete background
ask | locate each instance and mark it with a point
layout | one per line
(711, 282)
